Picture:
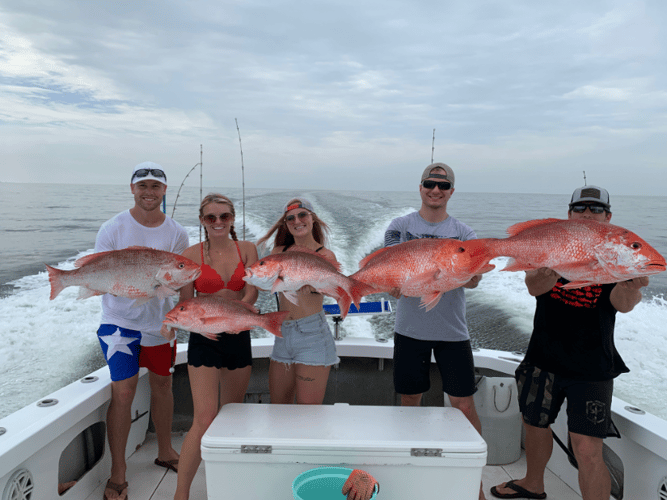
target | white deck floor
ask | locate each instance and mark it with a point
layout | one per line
(149, 482)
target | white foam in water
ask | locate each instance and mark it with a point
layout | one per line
(46, 343)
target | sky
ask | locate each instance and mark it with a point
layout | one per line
(517, 97)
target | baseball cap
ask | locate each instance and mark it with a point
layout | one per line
(148, 170)
(448, 175)
(591, 193)
(298, 203)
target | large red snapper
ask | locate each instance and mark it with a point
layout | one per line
(425, 267)
(289, 271)
(585, 252)
(210, 315)
(136, 273)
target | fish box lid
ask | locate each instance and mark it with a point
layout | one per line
(341, 426)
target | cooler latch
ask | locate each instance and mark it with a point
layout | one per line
(426, 452)
(255, 449)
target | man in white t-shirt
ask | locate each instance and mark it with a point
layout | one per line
(130, 335)
(442, 331)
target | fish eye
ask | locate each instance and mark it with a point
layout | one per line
(182, 308)
(461, 250)
(636, 245)
(261, 263)
(181, 265)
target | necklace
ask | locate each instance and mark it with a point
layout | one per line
(208, 251)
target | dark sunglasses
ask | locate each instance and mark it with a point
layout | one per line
(443, 186)
(211, 218)
(301, 215)
(155, 172)
(595, 209)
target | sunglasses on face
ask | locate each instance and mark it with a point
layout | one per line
(580, 209)
(443, 186)
(211, 218)
(301, 215)
(155, 172)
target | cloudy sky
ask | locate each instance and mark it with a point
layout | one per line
(524, 96)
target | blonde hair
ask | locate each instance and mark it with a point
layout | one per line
(222, 200)
(284, 237)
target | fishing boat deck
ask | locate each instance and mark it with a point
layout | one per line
(149, 482)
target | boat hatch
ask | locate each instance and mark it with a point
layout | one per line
(81, 455)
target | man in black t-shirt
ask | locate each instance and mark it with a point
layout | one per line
(571, 355)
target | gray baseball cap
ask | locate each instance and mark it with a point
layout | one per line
(448, 175)
(591, 193)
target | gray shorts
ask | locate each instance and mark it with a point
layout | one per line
(307, 341)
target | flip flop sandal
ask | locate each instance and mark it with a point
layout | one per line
(168, 464)
(118, 488)
(520, 492)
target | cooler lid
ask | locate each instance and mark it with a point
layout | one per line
(341, 426)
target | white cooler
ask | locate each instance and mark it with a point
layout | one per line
(254, 451)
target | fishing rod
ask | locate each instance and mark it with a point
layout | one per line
(200, 165)
(433, 146)
(242, 174)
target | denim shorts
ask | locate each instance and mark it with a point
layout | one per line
(307, 341)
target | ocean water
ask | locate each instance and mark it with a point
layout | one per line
(45, 344)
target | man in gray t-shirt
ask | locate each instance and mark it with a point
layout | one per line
(442, 330)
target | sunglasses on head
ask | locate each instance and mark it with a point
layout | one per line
(581, 208)
(301, 215)
(443, 186)
(211, 218)
(155, 172)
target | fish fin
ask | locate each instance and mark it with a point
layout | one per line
(245, 305)
(577, 284)
(292, 297)
(430, 300)
(486, 269)
(163, 291)
(55, 278)
(141, 301)
(421, 279)
(344, 301)
(210, 336)
(85, 292)
(272, 322)
(365, 260)
(87, 259)
(513, 265)
(359, 289)
(522, 226)
(297, 248)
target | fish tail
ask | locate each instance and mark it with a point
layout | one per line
(55, 278)
(358, 289)
(344, 300)
(273, 322)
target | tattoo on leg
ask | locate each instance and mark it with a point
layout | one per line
(305, 379)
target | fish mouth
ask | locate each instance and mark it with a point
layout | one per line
(655, 267)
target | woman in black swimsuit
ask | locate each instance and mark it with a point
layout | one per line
(219, 370)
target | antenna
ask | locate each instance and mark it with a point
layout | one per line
(433, 146)
(584, 178)
(242, 174)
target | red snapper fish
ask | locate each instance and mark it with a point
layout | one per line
(139, 273)
(289, 271)
(210, 315)
(425, 267)
(585, 252)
